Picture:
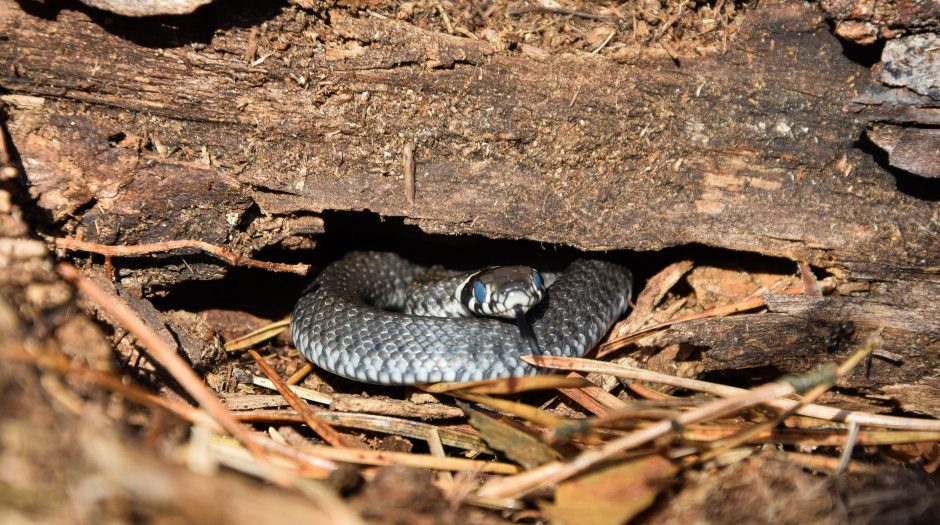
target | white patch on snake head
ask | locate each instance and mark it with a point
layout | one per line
(502, 291)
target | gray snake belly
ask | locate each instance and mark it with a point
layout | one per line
(346, 322)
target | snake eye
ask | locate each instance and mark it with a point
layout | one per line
(537, 281)
(479, 292)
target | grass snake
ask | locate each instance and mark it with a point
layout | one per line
(379, 318)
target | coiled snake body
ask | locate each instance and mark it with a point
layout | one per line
(357, 320)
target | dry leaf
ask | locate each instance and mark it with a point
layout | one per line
(612, 495)
(517, 445)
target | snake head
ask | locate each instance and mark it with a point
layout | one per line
(502, 291)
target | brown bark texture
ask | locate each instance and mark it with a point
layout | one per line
(241, 127)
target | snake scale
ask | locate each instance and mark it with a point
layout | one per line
(358, 320)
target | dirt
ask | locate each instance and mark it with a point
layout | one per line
(611, 29)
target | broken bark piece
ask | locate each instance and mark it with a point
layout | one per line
(912, 62)
(908, 100)
(862, 33)
(911, 149)
(896, 105)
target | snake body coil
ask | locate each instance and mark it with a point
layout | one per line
(350, 322)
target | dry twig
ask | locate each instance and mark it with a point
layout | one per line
(555, 472)
(408, 159)
(161, 247)
(816, 411)
(254, 337)
(593, 398)
(379, 457)
(324, 430)
(162, 353)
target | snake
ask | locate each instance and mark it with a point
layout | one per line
(377, 317)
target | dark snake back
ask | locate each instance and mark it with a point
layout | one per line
(346, 323)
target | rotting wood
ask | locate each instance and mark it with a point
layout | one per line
(751, 150)
(903, 107)
(652, 155)
(796, 339)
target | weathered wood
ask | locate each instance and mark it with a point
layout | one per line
(251, 133)
(569, 149)
(916, 150)
(801, 332)
(904, 108)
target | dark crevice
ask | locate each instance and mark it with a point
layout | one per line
(866, 56)
(271, 295)
(249, 216)
(744, 377)
(41, 219)
(264, 294)
(82, 209)
(116, 138)
(167, 31)
(923, 188)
